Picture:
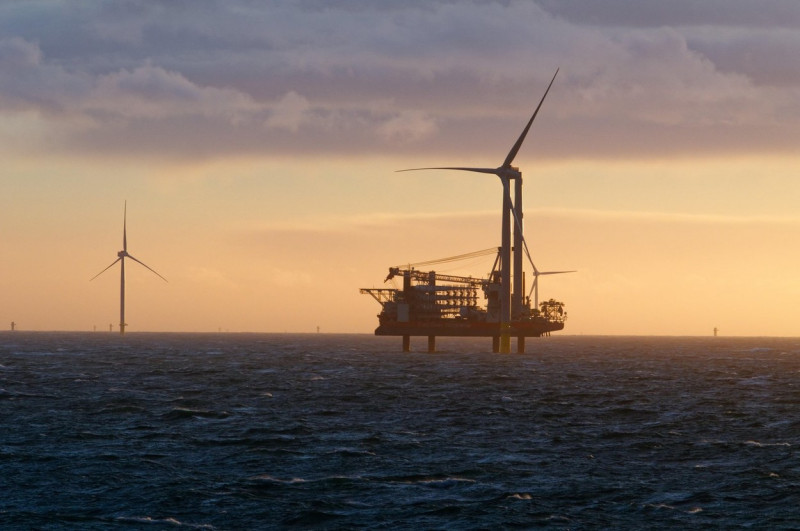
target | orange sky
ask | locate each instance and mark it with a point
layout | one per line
(258, 160)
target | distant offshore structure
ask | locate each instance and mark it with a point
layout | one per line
(431, 304)
(121, 256)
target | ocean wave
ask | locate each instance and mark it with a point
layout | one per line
(171, 522)
(186, 413)
(432, 481)
(266, 478)
(759, 444)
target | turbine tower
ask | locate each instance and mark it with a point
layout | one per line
(121, 256)
(506, 172)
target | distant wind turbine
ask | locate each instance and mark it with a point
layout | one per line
(536, 274)
(121, 256)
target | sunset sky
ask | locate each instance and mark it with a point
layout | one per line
(257, 143)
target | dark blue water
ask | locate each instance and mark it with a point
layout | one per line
(163, 431)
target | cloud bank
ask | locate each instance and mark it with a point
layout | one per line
(219, 78)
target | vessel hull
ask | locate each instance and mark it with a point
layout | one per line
(455, 328)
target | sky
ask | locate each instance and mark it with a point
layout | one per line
(256, 144)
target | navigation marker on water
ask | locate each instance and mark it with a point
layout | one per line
(121, 256)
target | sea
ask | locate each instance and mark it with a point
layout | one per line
(322, 431)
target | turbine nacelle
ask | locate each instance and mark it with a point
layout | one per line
(509, 172)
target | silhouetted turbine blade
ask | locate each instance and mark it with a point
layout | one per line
(148, 267)
(552, 272)
(106, 269)
(125, 228)
(493, 171)
(513, 153)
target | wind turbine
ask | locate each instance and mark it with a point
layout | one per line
(506, 172)
(535, 288)
(121, 256)
(536, 272)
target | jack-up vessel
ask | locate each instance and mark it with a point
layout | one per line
(431, 304)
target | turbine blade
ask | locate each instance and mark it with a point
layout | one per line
(148, 267)
(524, 241)
(513, 153)
(493, 171)
(553, 272)
(106, 269)
(533, 286)
(125, 228)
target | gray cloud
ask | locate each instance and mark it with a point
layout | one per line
(655, 13)
(350, 76)
(153, 92)
(29, 83)
(767, 56)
